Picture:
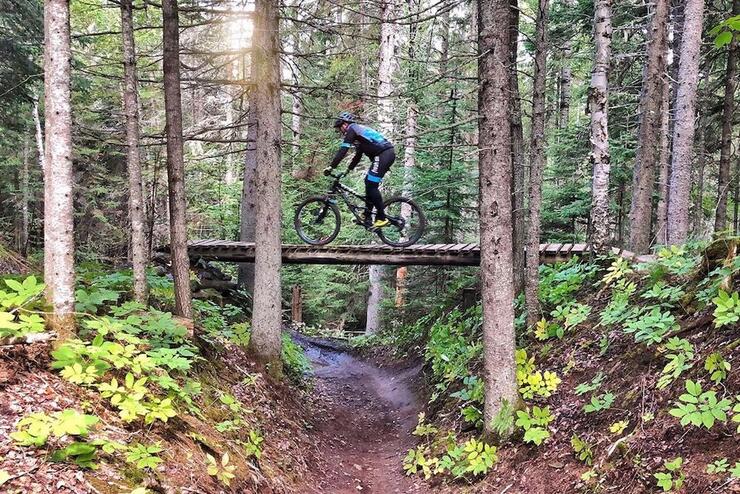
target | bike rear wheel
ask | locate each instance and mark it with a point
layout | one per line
(407, 222)
(317, 221)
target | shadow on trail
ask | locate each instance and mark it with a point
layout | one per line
(363, 418)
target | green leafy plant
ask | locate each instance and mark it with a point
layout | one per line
(35, 429)
(582, 449)
(717, 366)
(664, 293)
(416, 461)
(21, 293)
(679, 360)
(618, 310)
(593, 385)
(727, 309)
(534, 424)
(531, 381)
(725, 30)
(718, 466)
(423, 429)
(89, 301)
(80, 453)
(144, 456)
(222, 470)
(619, 427)
(618, 269)
(700, 408)
(599, 403)
(673, 478)
(651, 326)
(544, 330)
(253, 445)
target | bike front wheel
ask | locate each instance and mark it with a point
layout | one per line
(317, 221)
(407, 222)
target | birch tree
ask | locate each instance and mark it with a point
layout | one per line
(598, 104)
(683, 129)
(133, 160)
(265, 343)
(494, 144)
(59, 179)
(175, 161)
(386, 70)
(648, 137)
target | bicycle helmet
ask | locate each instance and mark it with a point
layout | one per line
(344, 117)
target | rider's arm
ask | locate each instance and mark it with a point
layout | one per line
(349, 138)
(355, 160)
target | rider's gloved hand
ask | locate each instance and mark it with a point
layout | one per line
(328, 170)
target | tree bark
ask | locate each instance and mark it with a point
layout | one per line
(136, 194)
(58, 189)
(175, 161)
(249, 199)
(519, 188)
(25, 199)
(566, 78)
(648, 137)
(683, 130)
(494, 144)
(537, 165)
(661, 219)
(386, 69)
(701, 160)
(599, 107)
(728, 107)
(266, 340)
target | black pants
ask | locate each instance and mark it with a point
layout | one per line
(381, 164)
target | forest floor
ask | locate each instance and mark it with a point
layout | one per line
(363, 417)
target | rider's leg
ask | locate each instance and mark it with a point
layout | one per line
(380, 166)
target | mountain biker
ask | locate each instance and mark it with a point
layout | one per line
(380, 152)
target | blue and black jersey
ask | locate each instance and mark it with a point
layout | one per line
(366, 141)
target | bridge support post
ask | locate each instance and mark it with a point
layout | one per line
(297, 304)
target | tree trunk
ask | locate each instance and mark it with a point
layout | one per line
(518, 185)
(598, 107)
(648, 138)
(723, 182)
(266, 341)
(386, 69)
(683, 130)
(25, 200)
(701, 160)
(494, 144)
(175, 162)
(136, 193)
(661, 209)
(249, 199)
(566, 78)
(537, 165)
(59, 245)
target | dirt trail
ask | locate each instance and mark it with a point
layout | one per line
(363, 419)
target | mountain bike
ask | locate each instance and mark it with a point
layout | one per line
(318, 221)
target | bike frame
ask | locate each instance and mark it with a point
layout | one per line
(337, 188)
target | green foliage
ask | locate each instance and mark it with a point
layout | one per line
(544, 330)
(231, 403)
(718, 466)
(593, 385)
(80, 453)
(473, 395)
(503, 422)
(22, 296)
(619, 427)
(223, 470)
(295, 363)
(700, 408)
(531, 381)
(727, 309)
(90, 301)
(559, 282)
(534, 424)
(717, 366)
(618, 310)
(678, 260)
(618, 269)
(253, 445)
(571, 314)
(725, 31)
(35, 429)
(144, 456)
(673, 478)
(664, 293)
(582, 449)
(679, 360)
(599, 403)
(651, 326)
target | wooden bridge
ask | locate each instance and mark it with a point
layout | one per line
(426, 254)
